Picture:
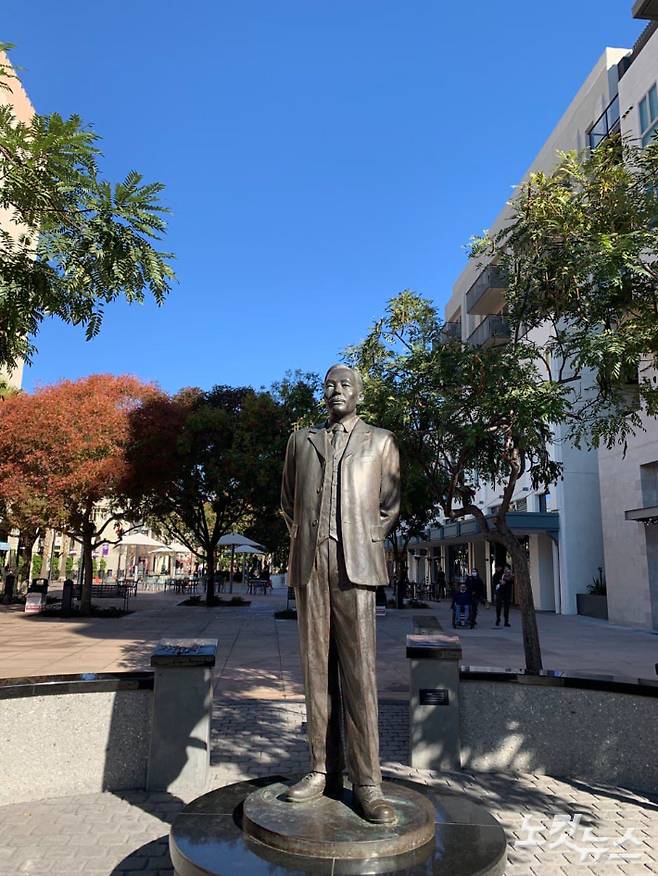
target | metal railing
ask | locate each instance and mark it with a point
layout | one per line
(607, 123)
(493, 330)
(491, 278)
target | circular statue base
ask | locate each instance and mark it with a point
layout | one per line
(333, 828)
(250, 828)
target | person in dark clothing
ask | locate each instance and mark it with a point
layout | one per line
(440, 583)
(503, 595)
(461, 605)
(475, 586)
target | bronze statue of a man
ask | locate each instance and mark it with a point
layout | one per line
(340, 498)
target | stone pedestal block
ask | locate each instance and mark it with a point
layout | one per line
(434, 701)
(179, 758)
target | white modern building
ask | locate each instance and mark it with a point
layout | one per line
(589, 520)
(629, 484)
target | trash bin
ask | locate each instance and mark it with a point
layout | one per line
(10, 581)
(39, 585)
(67, 597)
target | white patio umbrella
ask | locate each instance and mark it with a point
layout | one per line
(136, 539)
(174, 548)
(247, 549)
(170, 550)
(140, 539)
(236, 539)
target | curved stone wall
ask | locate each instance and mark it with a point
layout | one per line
(76, 734)
(597, 729)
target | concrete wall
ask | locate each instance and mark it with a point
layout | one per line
(541, 572)
(631, 554)
(635, 83)
(73, 743)
(593, 735)
(577, 498)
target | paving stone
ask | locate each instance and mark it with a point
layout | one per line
(127, 832)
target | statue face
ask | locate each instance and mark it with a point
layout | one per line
(341, 392)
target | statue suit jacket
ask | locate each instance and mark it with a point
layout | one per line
(369, 501)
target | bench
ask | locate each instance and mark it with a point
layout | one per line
(107, 591)
(254, 583)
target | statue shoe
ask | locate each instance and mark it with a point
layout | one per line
(314, 785)
(372, 804)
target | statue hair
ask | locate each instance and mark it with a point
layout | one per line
(357, 376)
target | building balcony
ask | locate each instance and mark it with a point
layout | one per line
(492, 331)
(487, 294)
(450, 331)
(647, 9)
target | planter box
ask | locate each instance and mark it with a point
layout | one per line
(592, 605)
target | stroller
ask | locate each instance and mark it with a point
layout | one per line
(462, 608)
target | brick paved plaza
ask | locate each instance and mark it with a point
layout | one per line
(127, 832)
(258, 655)
(258, 729)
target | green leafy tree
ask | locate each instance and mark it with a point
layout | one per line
(208, 463)
(76, 242)
(298, 404)
(466, 414)
(203, 464)
(418, 503)
(579, 257)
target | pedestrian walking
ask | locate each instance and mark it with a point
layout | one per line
(503, 595)
(475, 586)
(440, 583)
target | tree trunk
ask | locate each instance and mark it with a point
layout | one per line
(399, 591)
(210, 572)
(87, 573)
(531, 647)
(404, 576)
(63, 556)
(24, 550)
(47, 553)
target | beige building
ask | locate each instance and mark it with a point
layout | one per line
(23, 111)
(578, 526)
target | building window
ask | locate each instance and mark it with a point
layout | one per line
(649, 115)
(606, 124)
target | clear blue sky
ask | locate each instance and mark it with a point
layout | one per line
(319, 156)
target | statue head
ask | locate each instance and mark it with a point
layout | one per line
(343, 390)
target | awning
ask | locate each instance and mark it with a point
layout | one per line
(520, 522)
(643, 515)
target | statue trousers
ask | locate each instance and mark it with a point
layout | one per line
(337, 644)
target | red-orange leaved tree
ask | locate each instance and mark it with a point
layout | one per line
(62, 451)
